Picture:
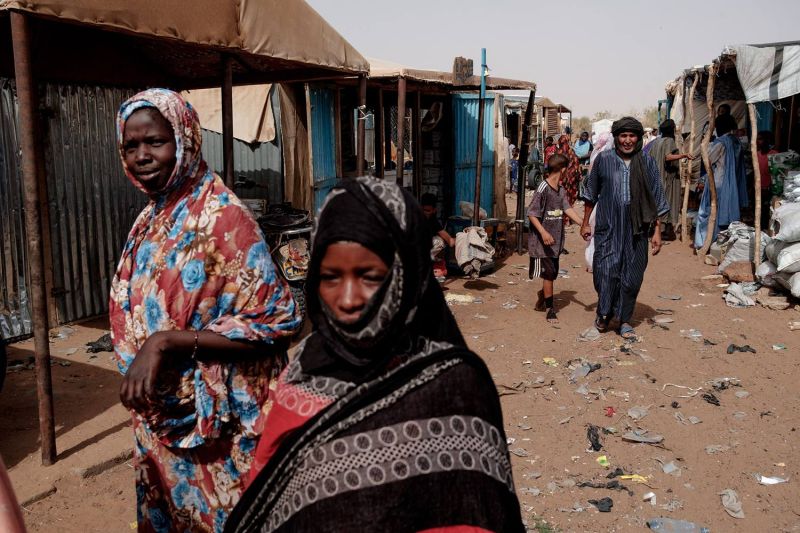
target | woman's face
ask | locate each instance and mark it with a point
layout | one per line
(148, 145)
(350, 274)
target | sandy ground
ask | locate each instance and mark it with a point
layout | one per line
(546, 415)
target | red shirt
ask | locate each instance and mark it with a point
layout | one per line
(763, 164)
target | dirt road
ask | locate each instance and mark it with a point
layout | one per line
(751, 431)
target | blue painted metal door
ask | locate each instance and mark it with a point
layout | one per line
(323, 140)
(465, 131)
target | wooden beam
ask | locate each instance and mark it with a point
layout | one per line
(26, 94)
(757, 184)
(712, 185)
(310, 133)
(416, 144)
(361, 115)
(380, 138)
(227, 121)
(401, 128)
(687, 182)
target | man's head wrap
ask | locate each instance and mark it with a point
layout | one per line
(627, 124)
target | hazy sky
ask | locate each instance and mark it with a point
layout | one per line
(588, 55)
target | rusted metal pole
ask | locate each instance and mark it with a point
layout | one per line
(757, 184)
(687, 182)
(712, 185)
(416, 140)
(401, 127)
(26, 95)
(524, 150)
(476, 215)
(362, 117)
(227, 120)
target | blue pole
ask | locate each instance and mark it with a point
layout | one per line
(479, 147)
(483, 73)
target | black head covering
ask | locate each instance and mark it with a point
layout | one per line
(667, 128)
(643, 207)
(409, 307)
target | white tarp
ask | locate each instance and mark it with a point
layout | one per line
(768, 73)
(253, 120)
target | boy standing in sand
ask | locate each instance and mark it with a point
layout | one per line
(546, 240)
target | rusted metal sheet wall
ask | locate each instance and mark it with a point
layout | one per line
(15, 318)
(258, 169)
(92, 204)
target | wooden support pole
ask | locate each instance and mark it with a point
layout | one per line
(380, 138)
(310, 133)
(792, 119)
(712, 185)
(524, 151)
(687, 182)
(401, 127)
(26, 94)
(416, 143)
(361, 128)
(227, 121)
(757, 179)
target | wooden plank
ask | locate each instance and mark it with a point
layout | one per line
(712, 185)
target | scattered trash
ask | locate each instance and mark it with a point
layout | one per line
(531, 491)
(511, 304)
(614, 484)
(603, 461)
(692, 392)
(511, 440)
(663, 320)
(736, 348)
(641, 437)
(491, 349)
(671, 468)
(564, 420)
(610, 411)
(742, 394)
(615, 473)
(692, 334)
(61, 333)
(731, 503)
(634, 477)
(584, 370)
(650, 497)
(672, 506)
(711, 449)
(794, 325)
(720, 384)
(583, 390)
(637, 413)
(675, 405)
(589, 335)
(481, 317)
(671, 525)
(528, 362)
(103, 344)
(674, 297)
(710, 398)
(603, 505)
(593, 434)
(550, 361)
(461, 299)
(778, 347)
(764, 480)
(70, 351)
(576, 508)
(665, 311)
(694, 420)
(738, 415)
(519, 452)
(523, 386)
(709, 342)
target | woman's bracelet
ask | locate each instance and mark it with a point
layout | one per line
(196, 345)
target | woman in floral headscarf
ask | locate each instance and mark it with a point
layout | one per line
(571, 176)
(197, 316)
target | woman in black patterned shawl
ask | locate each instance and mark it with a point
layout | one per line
(384, 421)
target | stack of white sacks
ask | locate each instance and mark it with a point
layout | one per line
(782, 267)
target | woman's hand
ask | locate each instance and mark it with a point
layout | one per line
(138, 390)
(586, 232)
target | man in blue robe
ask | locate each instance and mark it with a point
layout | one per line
(625, 185)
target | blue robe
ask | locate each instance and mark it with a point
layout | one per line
(620, 256)
(731, 189)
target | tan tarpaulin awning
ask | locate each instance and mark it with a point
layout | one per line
(121, 41)
(383, 69)
(253, 120)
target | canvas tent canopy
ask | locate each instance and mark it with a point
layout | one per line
(172, 43)
(381, 69)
